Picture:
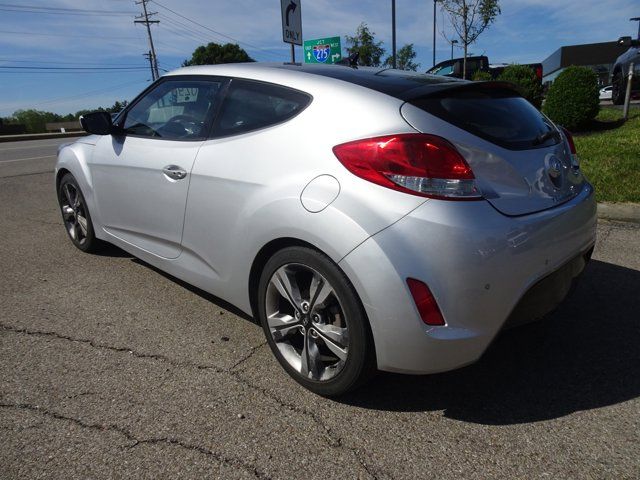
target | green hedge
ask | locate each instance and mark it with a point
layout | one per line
(481, 76)
(526, 81)
(572, 100)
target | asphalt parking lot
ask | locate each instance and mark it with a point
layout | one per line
(111, 369)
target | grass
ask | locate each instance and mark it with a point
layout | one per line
(610, 155)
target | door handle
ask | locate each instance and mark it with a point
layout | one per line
(174, 172)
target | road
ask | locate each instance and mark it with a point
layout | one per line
(29, 157)
(110, 369)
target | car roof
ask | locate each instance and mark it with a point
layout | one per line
(404, 85)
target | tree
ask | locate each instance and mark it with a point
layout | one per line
(214, 53)
(405, 57)
(363, 42)
(469, 18)
(35, 120)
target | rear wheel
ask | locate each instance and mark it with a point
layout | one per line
(618, 88)
(314, 322)
(75, 215)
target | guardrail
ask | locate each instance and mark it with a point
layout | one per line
(39, 136)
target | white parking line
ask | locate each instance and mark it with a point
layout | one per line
(24, 159)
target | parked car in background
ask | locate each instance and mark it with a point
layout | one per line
(369, 218)
(454, 67)
(620, 71)
(605, 93)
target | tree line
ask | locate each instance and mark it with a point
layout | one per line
(34, 121)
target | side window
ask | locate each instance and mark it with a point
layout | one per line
(175, 110)
(251, 105)
(446, 70)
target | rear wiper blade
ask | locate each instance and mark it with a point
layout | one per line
(543, 137)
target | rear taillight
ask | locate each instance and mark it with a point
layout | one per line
(575, 161)
(419, 164)
(425, 302)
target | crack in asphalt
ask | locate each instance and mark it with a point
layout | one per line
(252, 351)
(234, 462)
(332, 439)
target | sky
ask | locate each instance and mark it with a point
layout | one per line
(59, 37)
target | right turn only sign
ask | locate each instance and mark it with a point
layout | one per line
(291, 21)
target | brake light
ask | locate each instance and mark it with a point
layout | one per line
(419, 164)
(425, 302)
(575, 161)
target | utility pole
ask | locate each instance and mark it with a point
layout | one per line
(149, 57)
(393, 33)
(434, 33)
(144, 19)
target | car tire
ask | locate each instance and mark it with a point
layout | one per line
(618, 90)
(314, 322)
(76, 216)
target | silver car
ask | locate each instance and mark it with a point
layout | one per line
(370, 219)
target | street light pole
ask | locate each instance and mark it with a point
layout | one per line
(434, 32)
(393, 32)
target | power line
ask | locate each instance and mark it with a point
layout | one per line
(212, 30)
(65, 35)
(73, 72)
(19, 67)
(79, 96)
(63, 11)
(79, 64)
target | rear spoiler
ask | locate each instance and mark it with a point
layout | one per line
(437, 90)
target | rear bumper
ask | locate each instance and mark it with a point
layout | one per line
(478, 264)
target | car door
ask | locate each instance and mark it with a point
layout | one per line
(141, 178)
(235, 165)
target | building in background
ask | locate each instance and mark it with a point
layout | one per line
(598, 56)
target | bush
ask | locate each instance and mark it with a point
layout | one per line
(481, 76)
(526, 81)
(573, 100)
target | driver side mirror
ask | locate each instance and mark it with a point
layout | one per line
(98, 123)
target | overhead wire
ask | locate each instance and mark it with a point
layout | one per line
(240, 42)
(12, 7)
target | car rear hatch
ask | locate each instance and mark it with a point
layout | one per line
(522, 162)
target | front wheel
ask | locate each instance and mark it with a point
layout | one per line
(314, 322)
(618, 89)
(75, 215)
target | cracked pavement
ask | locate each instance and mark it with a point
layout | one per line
(111, 369)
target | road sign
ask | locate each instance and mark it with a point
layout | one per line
(322, 50)
(291, 21)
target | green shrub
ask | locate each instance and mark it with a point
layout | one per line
(572, 100)
(525, 80)
(481, 76)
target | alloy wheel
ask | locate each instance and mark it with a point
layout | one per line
(307, 322)
(74, 213)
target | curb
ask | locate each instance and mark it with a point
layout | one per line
(39, 136)
(621, 212)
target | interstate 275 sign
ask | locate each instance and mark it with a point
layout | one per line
(322, 50)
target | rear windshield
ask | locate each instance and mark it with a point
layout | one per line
(498, 115)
